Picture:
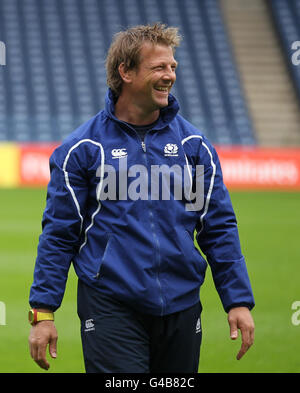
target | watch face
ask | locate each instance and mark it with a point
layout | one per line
(31, 316)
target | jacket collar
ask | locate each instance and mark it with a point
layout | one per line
(167, 114)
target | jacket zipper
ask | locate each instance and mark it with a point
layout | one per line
(155, 237)
(151, 215)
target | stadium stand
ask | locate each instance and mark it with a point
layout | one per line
(55, 76)
(264, 72)
(287, 18)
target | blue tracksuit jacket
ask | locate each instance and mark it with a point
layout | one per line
(140, 250)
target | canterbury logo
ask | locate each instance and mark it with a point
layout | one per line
(171, 149)
(198, 326)
(89, 325)
(119, 153)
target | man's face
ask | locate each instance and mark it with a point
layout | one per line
(154, 77)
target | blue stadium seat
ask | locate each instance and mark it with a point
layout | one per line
(55, 76)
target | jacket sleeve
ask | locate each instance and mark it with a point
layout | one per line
(218, 238)
(61, 228)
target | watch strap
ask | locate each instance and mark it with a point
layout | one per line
(36, 316)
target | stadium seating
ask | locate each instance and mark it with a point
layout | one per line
(55, 77)
(287, 20)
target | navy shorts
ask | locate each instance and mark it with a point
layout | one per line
(118, 339)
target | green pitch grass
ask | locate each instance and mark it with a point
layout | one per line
(269, 225)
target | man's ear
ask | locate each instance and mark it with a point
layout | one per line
(125, 74)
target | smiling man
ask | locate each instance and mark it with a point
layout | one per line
(139, 273)
(146, 89)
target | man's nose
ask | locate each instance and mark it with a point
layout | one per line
(169, 75)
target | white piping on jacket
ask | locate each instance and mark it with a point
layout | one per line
(98, 190)
(212, 180)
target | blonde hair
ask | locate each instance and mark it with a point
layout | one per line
(126, 47)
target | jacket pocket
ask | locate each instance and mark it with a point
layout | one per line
(106, 250)
(197, 259)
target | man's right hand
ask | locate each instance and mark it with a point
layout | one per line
(42, 334)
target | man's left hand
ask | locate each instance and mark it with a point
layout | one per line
(241, 318)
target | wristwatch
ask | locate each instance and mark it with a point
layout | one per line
(35, 316)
